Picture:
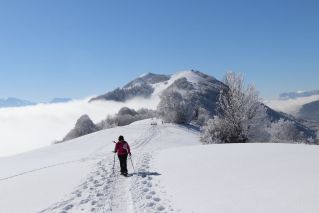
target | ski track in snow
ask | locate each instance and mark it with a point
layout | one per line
(107, 191)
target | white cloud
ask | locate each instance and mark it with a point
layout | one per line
(291, 106)
(26, 128)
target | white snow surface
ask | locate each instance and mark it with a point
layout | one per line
(173, 173)
(246, 178)
(190, 75)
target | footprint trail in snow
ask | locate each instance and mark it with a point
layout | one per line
(105, 191)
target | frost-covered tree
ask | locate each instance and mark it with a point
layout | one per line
(173, 108)
(285, 131)
(215, 131)
(126, 116)
(83, 126)
(201, 116)
(127, 111)
(241, 116)
(107, 123)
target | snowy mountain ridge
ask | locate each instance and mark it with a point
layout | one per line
(203, 90)
(197, 88)
(152, 85)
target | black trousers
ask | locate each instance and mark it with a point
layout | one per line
(123, 163)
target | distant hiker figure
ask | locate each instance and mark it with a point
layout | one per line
(122, 149)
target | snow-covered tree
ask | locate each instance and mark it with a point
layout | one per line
(173, 108)
(201, 116)
(125, 116)
(127, 111)
(285, 131)
(83, 126)
(241, 116)
(107, 123)
(215, 131)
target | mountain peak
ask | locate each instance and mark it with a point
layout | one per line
(146, 74)
(148, 78)
(154, 84)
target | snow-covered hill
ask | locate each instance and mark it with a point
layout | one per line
(173, 173)
(152, 85)
(197, 88)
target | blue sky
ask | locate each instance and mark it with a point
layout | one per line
(76, 48)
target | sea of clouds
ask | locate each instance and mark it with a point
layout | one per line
(291, 106)
(26, 128)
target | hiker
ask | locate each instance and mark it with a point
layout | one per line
(122, 149)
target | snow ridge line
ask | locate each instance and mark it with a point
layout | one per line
(38, 169)
(53, 165)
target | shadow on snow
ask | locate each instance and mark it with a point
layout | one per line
(144, 174)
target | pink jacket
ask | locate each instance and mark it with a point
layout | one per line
(122, 148)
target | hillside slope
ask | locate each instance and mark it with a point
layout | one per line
(310, 111)
(173, 173)
(78, 174)
(202, 88)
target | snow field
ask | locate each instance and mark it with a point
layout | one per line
(246, 178)
(173, 173)
(149, 196)
(77, 176)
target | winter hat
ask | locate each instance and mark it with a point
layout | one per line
(121, 138)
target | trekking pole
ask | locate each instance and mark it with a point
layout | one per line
(132, 164)
(114, 162)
